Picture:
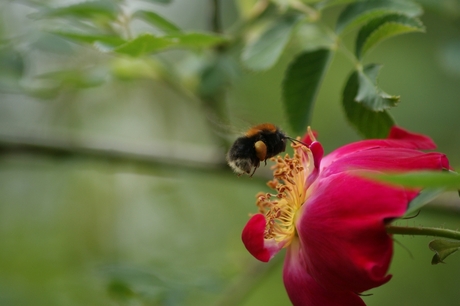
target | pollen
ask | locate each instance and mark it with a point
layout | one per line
(280, 208)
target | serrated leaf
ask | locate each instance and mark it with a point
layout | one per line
(84, 9)
(364, 11)
(300, 86)
(423, 179)
(264, 52)
(110, 41)
(369, 94)
(157, 21)
(443, 249)
(382, 28)
(368, 123)
(144, 44)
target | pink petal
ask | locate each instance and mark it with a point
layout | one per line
(317, 151)
(398, 138)
(342, 231)
(303, 290)
(387, 159)
(419, 141)
(255, 242)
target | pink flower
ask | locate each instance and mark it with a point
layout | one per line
(332, 220)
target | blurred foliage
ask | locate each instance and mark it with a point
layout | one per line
(115, 117)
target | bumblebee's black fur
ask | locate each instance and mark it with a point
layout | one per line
(243, 153)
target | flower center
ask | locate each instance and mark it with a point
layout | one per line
(280, 210)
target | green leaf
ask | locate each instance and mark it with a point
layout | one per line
(246, 7)
(311, 36)
(84, 9)
(443, 249)
(382, 28)
(301, 84)
(364, 11)
(368, 123)
(216, 76)
(157, 21)
(369, 94)
(110, 41)
(433, 182)
(159, 1)
(74, 78)
(422, 179)
(329, 3)
(144, 44)
(424, 197)
(196, 40)
(264, 52)
(148, 43)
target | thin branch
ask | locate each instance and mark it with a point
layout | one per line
(423, 231)
(175, 154)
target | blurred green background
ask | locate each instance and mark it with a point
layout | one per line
(114, 189)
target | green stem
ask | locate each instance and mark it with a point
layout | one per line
(216, 20)
(423, 231)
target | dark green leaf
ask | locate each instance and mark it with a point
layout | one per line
(157, 21)
(11, 63)
(216, 76)
(12, 68)
(264, 52)
(423, 179)
(301, 84)
(443, 249)
(363, 11)
(385, 27)
(369, 94)
(145, 44)
(368, 123)
(84, 9)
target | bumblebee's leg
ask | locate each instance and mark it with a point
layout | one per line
(256, 165)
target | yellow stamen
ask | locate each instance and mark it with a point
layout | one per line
(280, 209)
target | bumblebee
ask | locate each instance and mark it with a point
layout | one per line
(259, 143)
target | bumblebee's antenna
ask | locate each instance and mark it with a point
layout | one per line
(295, 140)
